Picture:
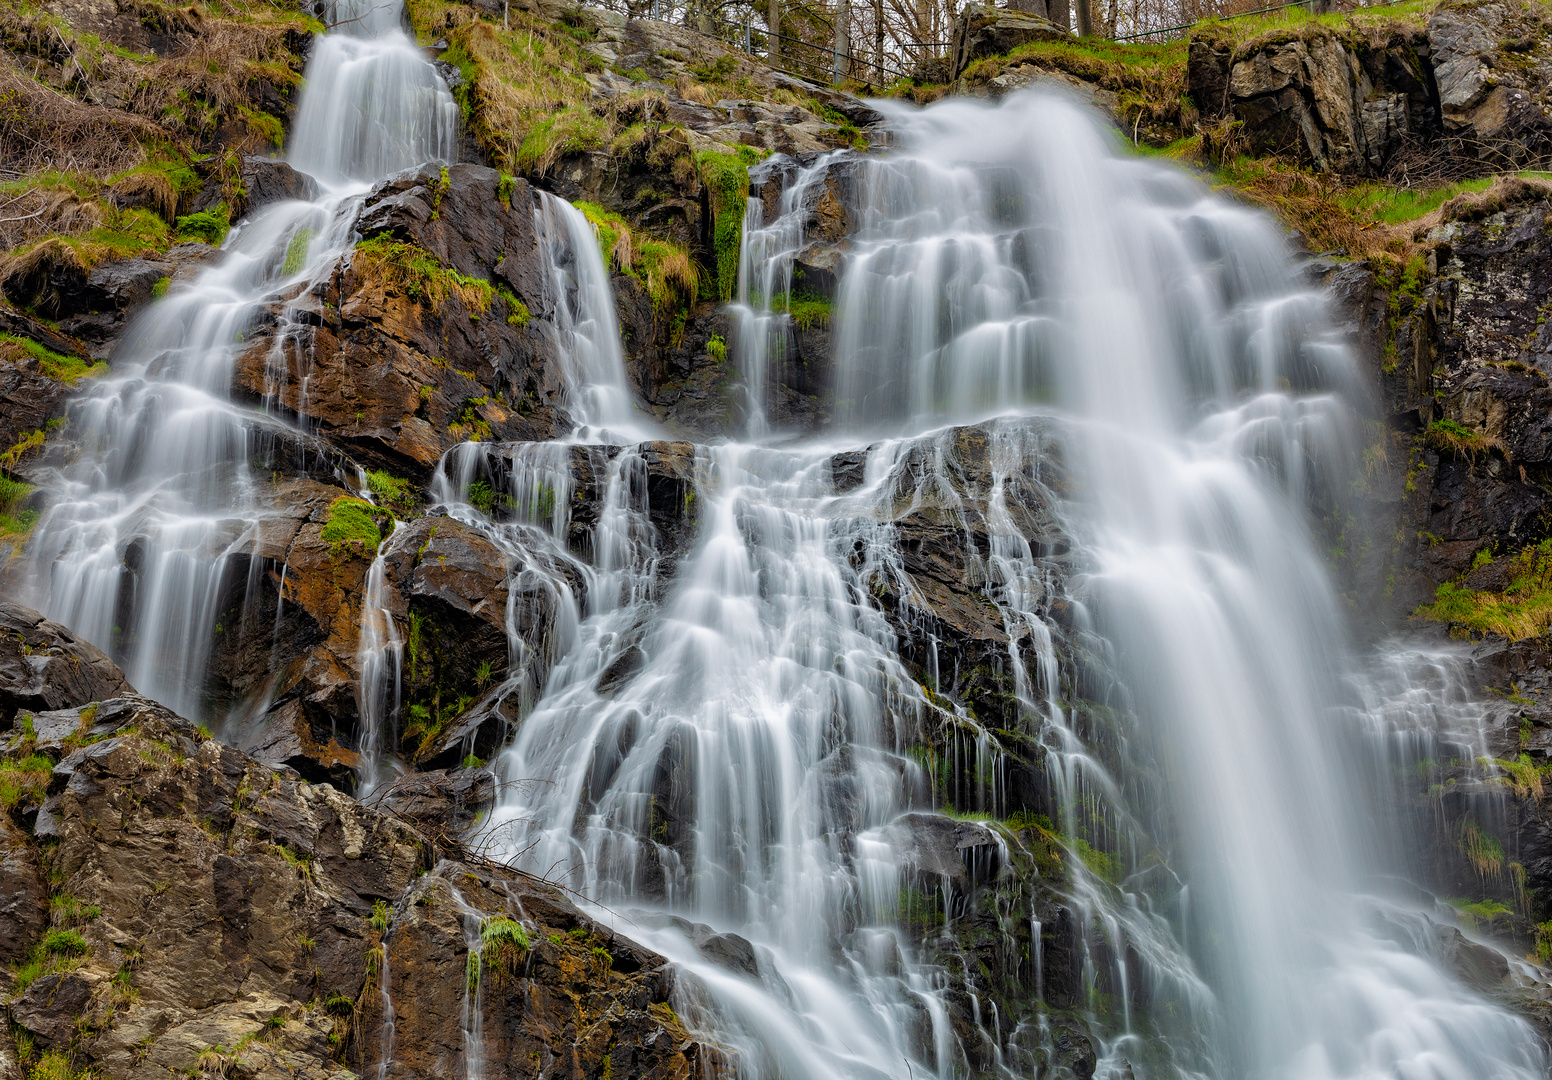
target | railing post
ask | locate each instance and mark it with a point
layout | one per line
(842, 40)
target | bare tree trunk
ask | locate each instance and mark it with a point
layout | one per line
(842, 39)
(775, 24)
(1060, 13)
(878, 38)
(1085, 18)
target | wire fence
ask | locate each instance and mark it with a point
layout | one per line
(1315, 6)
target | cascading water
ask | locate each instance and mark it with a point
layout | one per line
(147, 523)
(727, 751)
(1012, 264)
(598, 398)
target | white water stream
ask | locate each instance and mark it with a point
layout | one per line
(728, 751)
(749, 773)
(136, 547)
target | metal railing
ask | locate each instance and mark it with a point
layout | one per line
(820, 62)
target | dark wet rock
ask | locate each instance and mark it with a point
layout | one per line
(450, 592)
(1478, 966)
(23, 895)
(261, 182)
(440, 802)
(730, 951)
(942, 538)
(92, 303)
(579, 995)
(48, 1009)
(1457, 339)
(44, 666)
(30, 397)
(935, 846)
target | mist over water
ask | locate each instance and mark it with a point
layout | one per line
(724, 742)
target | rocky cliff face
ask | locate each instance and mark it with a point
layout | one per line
(169, 903)
(1351, 99)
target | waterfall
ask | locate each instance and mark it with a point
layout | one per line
(599, 401)
(150, 524)
(729, 739)
(747, 779)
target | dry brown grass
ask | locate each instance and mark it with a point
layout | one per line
(42, 129)
(1506, 191)
(152, 191)
(35, 277)
(1311, 203)
(215, 63)
(692, 90)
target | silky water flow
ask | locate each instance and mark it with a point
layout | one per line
(147, 526)
(725, 750)
(749, 774)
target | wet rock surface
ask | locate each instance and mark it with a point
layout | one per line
(395, 376)
(44, 666)
(215, 907)
(1458, 344)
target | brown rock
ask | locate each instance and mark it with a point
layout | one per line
(579, 995)
(237, 933)
(395, 380)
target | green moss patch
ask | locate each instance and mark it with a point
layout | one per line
(662, 267)
(207, 226)
(67, 369)
(726, 177)
(388, 487)
(297, 249)
(807, 310)
(355, 524)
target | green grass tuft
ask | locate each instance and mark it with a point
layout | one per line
(1523, 609)
(296, 252)
(207, 226)
(388, 487)
(419, 275)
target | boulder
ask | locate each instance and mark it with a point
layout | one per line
(440, 802)
(979, 33)
(44, 666)
(394, 377)
(261, 182)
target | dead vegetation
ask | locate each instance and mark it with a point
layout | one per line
(1506, 191)
(42, 129)
(103, 146)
